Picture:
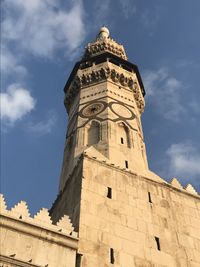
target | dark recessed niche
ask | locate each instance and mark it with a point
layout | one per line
(157, 242)
(126, 164)
(109, 193)
(112, 256)
(149, 197)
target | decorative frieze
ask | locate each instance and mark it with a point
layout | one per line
(105, 73)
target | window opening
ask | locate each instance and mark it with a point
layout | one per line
(126, 164)
(157, 242)
(78, 259)
(149, 196)
(109, 194)
(112, 257)
(123, 134)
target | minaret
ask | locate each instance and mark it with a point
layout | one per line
(104, 98)
(124, 215)
(104, 156)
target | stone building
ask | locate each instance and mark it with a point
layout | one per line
(124, 214)
(27, 241)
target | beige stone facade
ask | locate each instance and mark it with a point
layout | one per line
(125, 215)
(27, 241)
(144, 221)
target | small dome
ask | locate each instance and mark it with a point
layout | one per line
(104, 32)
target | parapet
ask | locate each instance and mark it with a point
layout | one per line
(35, 241)
(174, 183)
(42, 218)
(189, 188)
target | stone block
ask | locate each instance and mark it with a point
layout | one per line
(126, 260)
(161, 257)
(185, 241)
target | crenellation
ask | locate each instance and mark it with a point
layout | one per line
(176, 183)
(43, 217)
(191, 189)
(21, 210)
(35, 241)
(65, 224)
(3, 206)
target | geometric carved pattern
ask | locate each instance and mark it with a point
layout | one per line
(121, 110)
(93, 109)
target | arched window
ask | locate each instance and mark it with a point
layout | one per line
(94, 133)
(123, 135)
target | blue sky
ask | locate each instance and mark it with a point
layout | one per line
(42, 40)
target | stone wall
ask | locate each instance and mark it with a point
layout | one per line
(128, 220)
(27, 241)
(68, 199)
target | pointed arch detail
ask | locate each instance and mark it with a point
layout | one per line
(94, 132)
(123, 133)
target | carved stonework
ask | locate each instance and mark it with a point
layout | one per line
(93, 109)
(104, 45)
(102, 74)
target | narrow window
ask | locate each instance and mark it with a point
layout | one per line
(149, 196)
(157, 242)
(109, 194)
(78, 259)
(122, 140)
(126, 164)
(112, 257)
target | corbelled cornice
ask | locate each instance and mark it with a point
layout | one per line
(102, 44)
(83, 80)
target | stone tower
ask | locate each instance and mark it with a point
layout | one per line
(104, 98)
(124, 214)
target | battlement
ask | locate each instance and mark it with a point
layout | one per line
(20, 212)
(35, 241)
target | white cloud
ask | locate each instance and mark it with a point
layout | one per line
(151, 16)
(16, 102)
(43, 127)
(101, 12)
(165, 91)
(128, 7)
(184, 160)
(41, 27)
(10, 64)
